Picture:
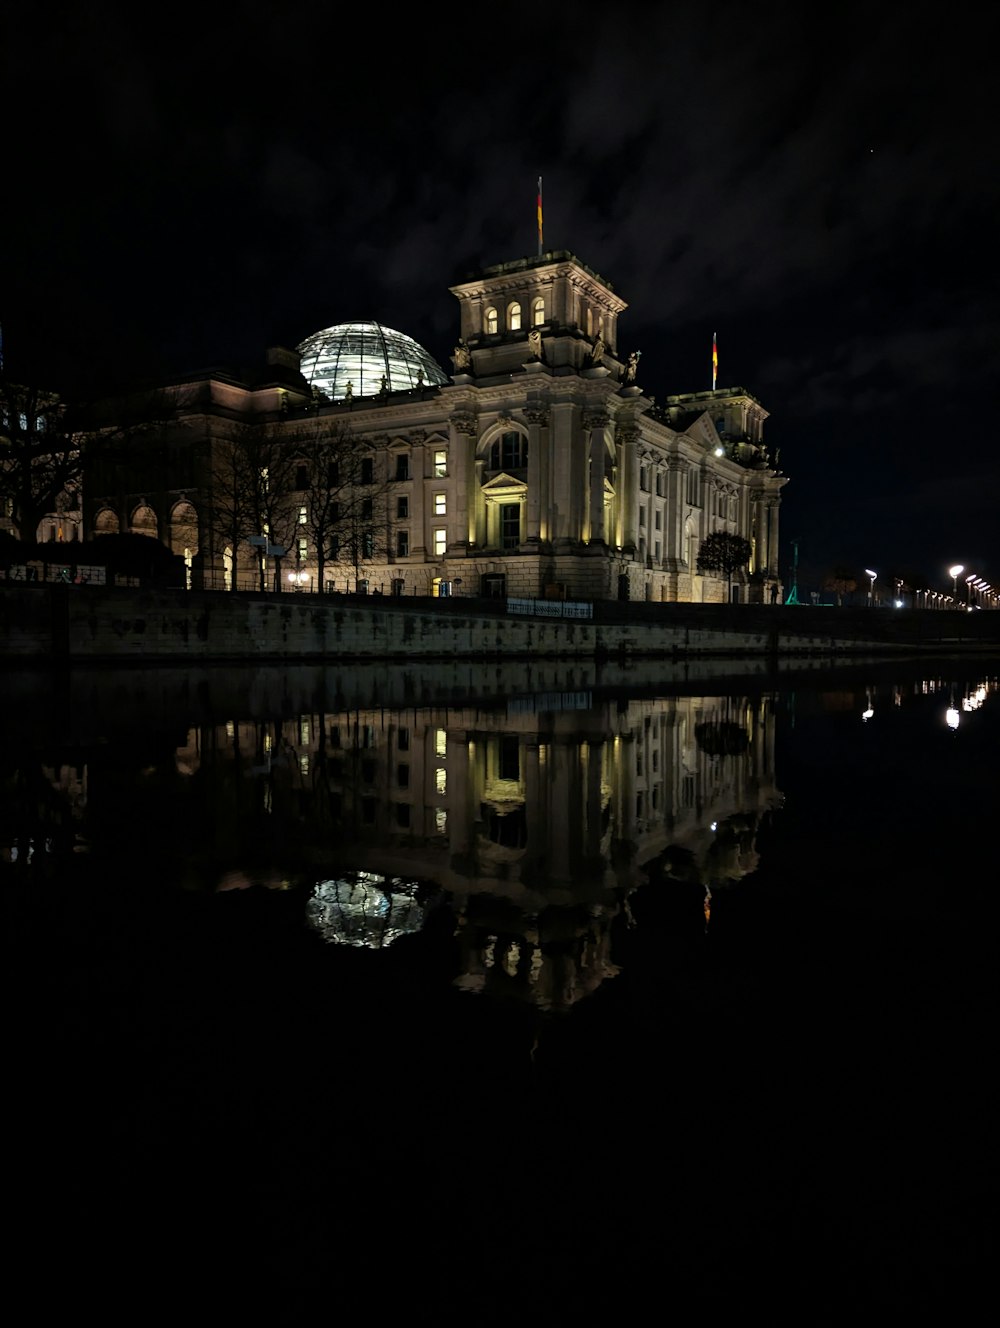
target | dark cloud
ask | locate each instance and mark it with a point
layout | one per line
(814, 186)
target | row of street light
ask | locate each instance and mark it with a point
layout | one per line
(979, 593)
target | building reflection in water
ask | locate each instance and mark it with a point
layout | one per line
(530, 821)
(533, 822)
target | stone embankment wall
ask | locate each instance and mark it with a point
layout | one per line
(90, 624)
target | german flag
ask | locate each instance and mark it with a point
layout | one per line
(539, 214)
(715, 361)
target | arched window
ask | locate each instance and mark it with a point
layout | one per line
(509, 452)
(144, 521)
(537, 312)
(514, 317)
(184, 528)
(492, 322)
(106, 523)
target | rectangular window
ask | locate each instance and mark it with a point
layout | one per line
(302, 477)
(440, 742)
(510, 525)
(510, 758)
(440, 504)
(402, 543)
(440, 820)
(441, 780)
(658, 520)
(644, 478)
(642, 516)
(367, 470)
(440, 542)
(333, 474)
(368, 545)
(403, 815)
(402, 508)
(367, 507)
(402, 467)
(303, 550)
(303, 515)
(659, 484)
(403, 775)
(440, 464)
(402, 740)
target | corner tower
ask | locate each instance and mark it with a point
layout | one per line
(565, 312)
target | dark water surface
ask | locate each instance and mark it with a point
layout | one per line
(329, 995)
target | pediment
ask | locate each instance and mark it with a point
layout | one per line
(503, 482)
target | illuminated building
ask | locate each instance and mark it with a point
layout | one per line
(539, 467)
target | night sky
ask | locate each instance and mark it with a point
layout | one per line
(818, 185)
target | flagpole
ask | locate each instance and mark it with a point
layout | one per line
(539, 216)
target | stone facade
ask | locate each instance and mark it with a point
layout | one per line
(540, 470)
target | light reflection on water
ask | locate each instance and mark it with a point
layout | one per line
(480, 966)
(532, 820)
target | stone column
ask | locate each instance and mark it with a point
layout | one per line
(772, 538)
(628, 468)
(468, 496)
(673, 515)
(538, 452)
(594, 423)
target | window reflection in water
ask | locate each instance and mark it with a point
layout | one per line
(530, 822)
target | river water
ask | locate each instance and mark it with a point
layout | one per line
(502, 994)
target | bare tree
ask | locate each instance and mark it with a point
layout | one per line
(51, 449)
(347, 505)
(41, 461)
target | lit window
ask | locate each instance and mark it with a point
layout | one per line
(440, 820)
(440, 742)
(440, 465)
(440, 542)
(303, 550)
(304, 763)
(514, 318)
(441, 780)
(538, 312)
(303, 516)
(491, 321)
(440, 504)
(303, 730)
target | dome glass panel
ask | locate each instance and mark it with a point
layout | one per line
(365, 354)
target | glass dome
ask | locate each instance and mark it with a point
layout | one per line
(370, 357)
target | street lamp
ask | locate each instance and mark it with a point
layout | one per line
(955, 572)
(871, 588)
(968, 589)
